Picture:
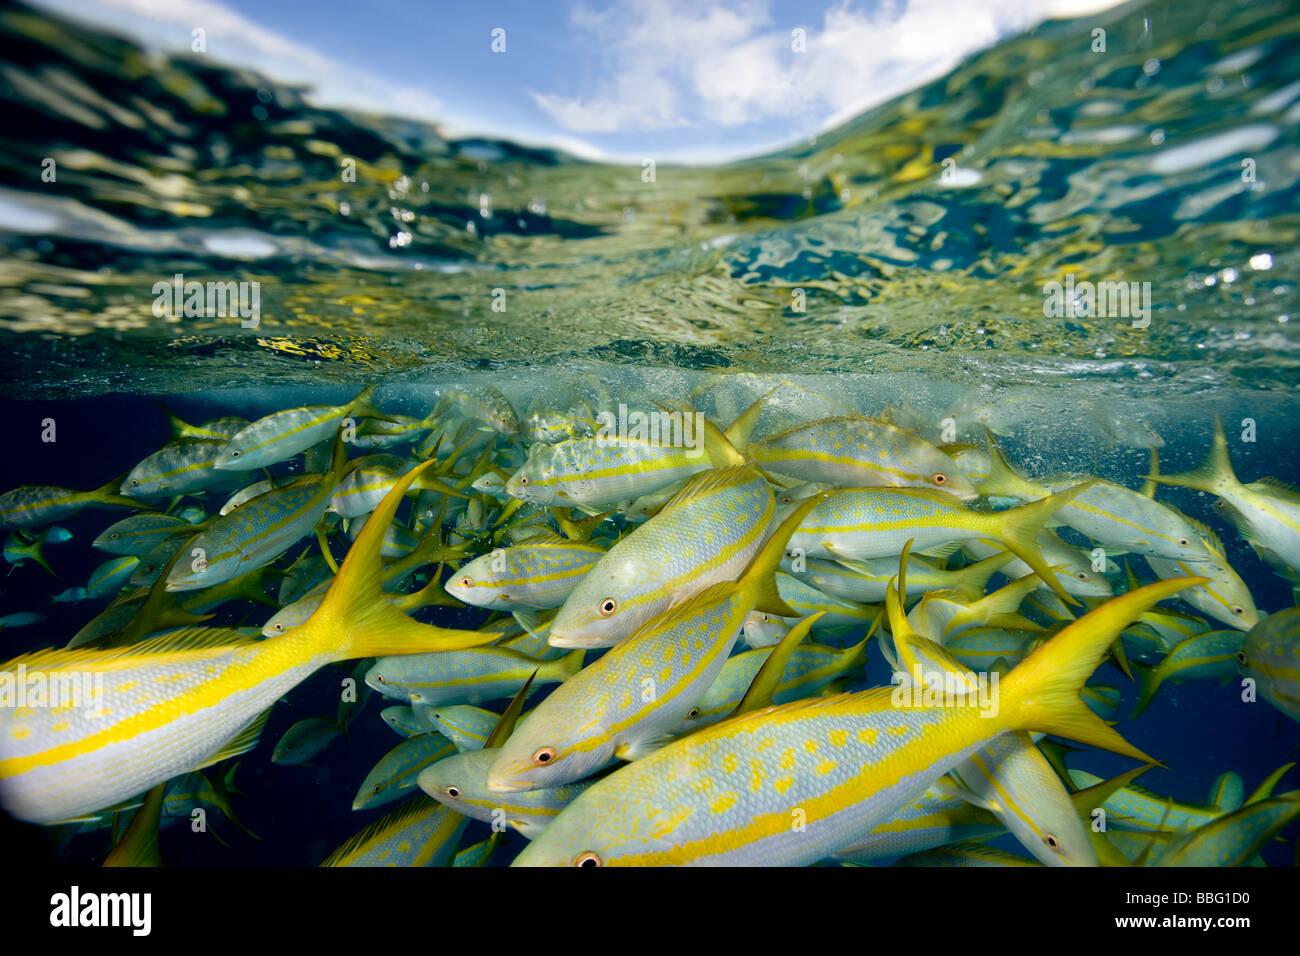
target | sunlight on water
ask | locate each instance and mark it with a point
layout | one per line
(921, 236)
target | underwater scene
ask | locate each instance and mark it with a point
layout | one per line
(918, 491)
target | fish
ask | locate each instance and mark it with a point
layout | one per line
(865, 582)
(1234, 838)
(860, 523)
(847, 763)
(71, 596)
(707, 534)
(460, 782)
(31, 506)
(489, 673)
(60, 764)
(1266, 512)
(111, 576)
(1118, 518)
(623, 705)
(281, 435)
(396, 773)
(762, 629)
(540, 573)
(480, 854)
(257, 532)
(599, 473)
(19, 549)
(1270, 655)
(851, 451)
(466, 726)
(304, 740)
(1077, 577)
(482, 403)
(21, 619)
(404, 720)
(140, 534)
(1137, 809)
(1208, 656)
(179, 468)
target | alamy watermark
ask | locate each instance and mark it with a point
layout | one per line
(213, 300)
(58, 690)
(940, 688)
(661, 428)
(1102, 300)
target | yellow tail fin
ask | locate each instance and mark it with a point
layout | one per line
(1214, 475)
(1020, 528)
(354, 620)
(1004, 481)
(1042, 694)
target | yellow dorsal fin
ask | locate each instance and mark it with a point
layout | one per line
(196, 639)
(709, 481)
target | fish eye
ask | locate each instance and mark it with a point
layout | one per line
(939, 479)
(786, 499)
(453, 792)
(280, 627)
(234, 454)
(1238, 609)
(608, 607)
(378, 787)
(1184, 542)
(114, 536)
(1241, 657)
(1051, 841)
(134, 482)
(695, 712)
(466, 582)
(380, 678)
(523, 479)
(544, 756)
(587, 859)
(1082, 575)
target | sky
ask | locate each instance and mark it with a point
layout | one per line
(675, 80)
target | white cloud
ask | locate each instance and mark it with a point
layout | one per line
(675, 63)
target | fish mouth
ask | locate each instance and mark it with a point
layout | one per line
(559, 640)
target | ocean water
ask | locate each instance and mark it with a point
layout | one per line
(907, 260)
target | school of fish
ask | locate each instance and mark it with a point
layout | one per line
(675, 620)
